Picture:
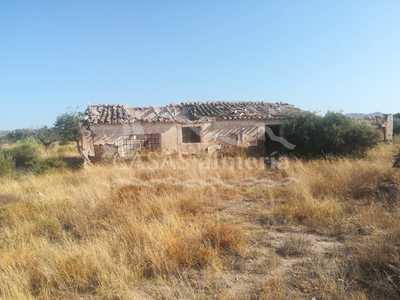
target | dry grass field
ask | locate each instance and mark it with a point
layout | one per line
(201, 229)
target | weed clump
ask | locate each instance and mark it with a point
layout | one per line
(294, 246)
(7, 164)
(374, 262)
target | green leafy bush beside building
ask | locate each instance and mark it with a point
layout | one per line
(332, 134)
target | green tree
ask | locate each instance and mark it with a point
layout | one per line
(67, 127)
(46, 136)
(19, 135)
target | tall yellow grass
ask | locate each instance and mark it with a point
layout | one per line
(106, 231)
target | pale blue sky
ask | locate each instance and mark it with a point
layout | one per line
(57, 56)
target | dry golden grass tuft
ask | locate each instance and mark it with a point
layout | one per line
(294, 246)
(315, 213)
(275, 288)
(375, 262)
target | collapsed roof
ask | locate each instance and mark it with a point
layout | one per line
(188, 112)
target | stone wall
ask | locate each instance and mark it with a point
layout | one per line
(384, 125)
(98, 141)
(389, 127)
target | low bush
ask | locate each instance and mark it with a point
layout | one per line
(294, 246)
(44, 165)
(345, 179)
(7, 164)
(332, 134)
(374, 263)
(25, 155)
(321, 215)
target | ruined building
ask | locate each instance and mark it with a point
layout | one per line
(383, 123)
(111, 131)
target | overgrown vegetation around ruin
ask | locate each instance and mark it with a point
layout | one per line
(28, 156)
(333, 134)
(41, 150)
(193, 228)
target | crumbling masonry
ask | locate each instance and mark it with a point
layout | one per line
(117, 131)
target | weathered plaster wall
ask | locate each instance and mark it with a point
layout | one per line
(86, 143)
(98, 139)
(384, 125)
(246, 133)
(389, 127)
(106, 133)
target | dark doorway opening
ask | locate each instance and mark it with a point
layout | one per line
(191, 135)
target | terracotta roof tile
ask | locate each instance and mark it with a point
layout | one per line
(189, 112)
(107, 114)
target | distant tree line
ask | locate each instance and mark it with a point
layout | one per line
(25, 155)
(64, 130)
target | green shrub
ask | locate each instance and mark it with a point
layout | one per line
(7, 164)
(67, 127)
(25, 155)
(332, 134)
(19, 135)
(40, 166)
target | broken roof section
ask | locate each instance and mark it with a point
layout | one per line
(107, 114)
(238, 110)
(189, 112)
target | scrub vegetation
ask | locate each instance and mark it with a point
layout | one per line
(195, 228)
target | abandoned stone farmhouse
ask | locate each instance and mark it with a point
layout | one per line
(111, 131)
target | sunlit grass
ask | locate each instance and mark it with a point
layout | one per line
(106, 229)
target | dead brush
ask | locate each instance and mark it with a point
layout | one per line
(375, 185)
(294, 246)
(320, 215)
(192, 205)
(224, 237)
(375, 217)
(49, 228)
(344, 178)
(323, 278)
(75, 235)
(133, 193)
(154, 201)
(89, 269)
(374, 262)
(276, 288)
(172, 246)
